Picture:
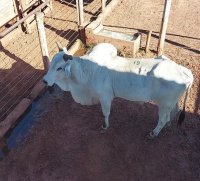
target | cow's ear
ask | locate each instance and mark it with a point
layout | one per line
(67, 57)
(67, 69)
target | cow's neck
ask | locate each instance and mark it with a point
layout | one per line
(82, 70)
(64, 84)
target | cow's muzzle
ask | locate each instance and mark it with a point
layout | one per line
(49, 88)
(44, 81)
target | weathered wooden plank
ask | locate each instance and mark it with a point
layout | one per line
(164, 25)
(7, 11)
(37, 90)
(148, 41)
(11, 119)
(42, 37)
(26, 4)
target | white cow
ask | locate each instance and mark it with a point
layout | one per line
(99, 76)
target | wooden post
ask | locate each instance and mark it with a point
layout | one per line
(26, 22)
(42, 37)
(103, 6)
(148, 41)
(19, 12)
(81, 31)
(79, 5)
(164, 24)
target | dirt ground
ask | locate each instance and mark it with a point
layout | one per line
(65, 144)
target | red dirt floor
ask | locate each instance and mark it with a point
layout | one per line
(65, 143)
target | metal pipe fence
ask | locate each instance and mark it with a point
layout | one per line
(21, 65)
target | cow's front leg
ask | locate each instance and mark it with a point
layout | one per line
(105, 126)
(105, 106)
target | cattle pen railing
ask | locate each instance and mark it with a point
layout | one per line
(15, 88)
(7, 31)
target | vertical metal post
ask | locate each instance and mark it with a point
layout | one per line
(79, 5)
(42, 38)
(103, 6)
(164, 24)
(148, 41)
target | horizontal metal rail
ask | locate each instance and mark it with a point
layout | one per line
(4, 33)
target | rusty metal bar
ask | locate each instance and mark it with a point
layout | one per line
(23, 19)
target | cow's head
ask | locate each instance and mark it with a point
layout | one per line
(59, 68)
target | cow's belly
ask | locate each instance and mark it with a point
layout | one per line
(84, 96)
(133, 88)
(133, 94)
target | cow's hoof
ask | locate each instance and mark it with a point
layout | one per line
(168, 124)
(50, 89)
(150, 136)
(103, 129)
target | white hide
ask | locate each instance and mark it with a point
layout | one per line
(56, 74)
(101, 53)
(99, 77)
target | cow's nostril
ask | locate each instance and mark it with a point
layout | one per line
(45, 81)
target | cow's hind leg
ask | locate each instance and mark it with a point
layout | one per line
(173, 113)
(105, 106)
(164, 118)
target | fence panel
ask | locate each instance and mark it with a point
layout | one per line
(21, 65)
(7, 11)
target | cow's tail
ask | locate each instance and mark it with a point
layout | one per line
(182, 114)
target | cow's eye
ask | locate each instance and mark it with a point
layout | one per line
(59, 68)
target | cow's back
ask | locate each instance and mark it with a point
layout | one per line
(171, 71)
(101, 54)
(146, 79)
